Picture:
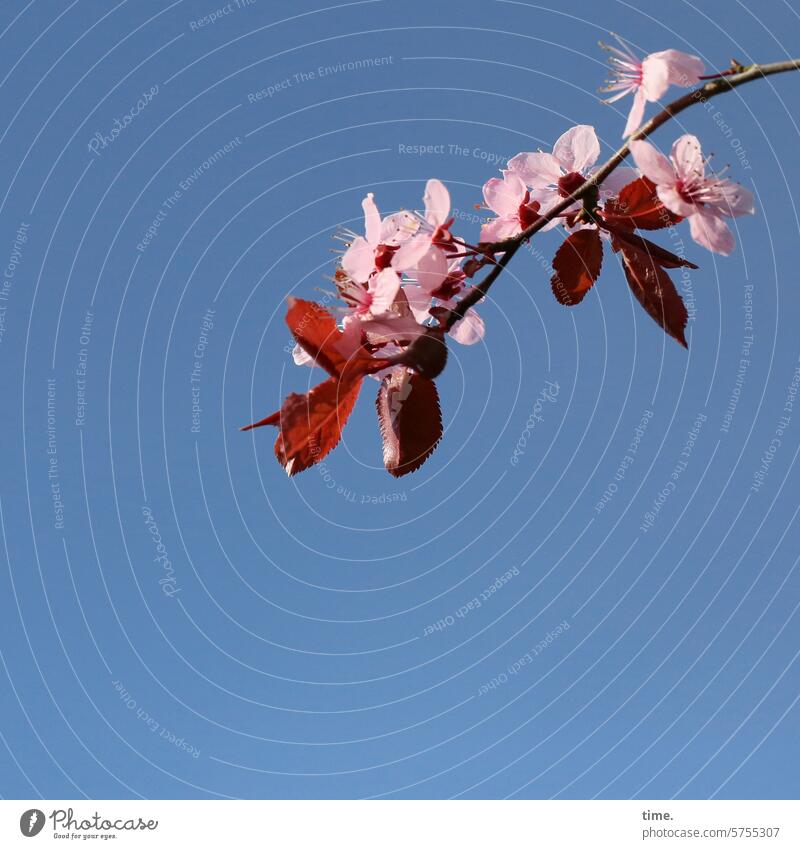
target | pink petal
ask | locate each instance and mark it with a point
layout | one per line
(432, 269)
(372, 220)
(738, 200)
(359, 260)
(437, 202)
(674, 201)
(537, 170)
(636, 114)
(499, 229)
(688, 157)
(419, 301)
(504, 196)
(392, 327)
(384, 290)
(398, 228)
(578, 148)
(685, 69)
(710, 230)
(410, 252)
(655, 77)
(652, 163)
(469, 330)
(617, 179)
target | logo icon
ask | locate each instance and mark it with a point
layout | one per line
(31, 822)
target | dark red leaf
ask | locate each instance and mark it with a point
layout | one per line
(638, 205)
(577, 265)
(655, 291)
(661, 256)
(410, 420)
(311, 424)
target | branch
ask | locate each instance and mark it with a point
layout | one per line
(509, 247)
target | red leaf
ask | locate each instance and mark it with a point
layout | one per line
(311, 424)
(655, 291)
(410, 420)
(638, 205)
(577, 265)
(659, 255)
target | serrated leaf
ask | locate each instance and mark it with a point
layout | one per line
(577, 265)
(655, 291)
(410, 420)
(638, 205)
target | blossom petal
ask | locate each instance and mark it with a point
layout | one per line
(398, 228)
(359, 260)
(537, 170)
(410, 252)
(685, 69)
(384, 290)
(419, 300)
(710, 230)
(738, 200)
(652, 163)
(432, 268)
(674, 202)
(688, 157)
(372, 220)
(655, 77)
(437, 202)
(469, 329)
(499, 229)
(578, 148)
(504, 196)
(636, 114)
(617, 180)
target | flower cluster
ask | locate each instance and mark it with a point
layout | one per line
(402, 281)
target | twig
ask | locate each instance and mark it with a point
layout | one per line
(509, 247)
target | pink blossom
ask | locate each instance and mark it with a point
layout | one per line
(511, 200)
(555, 176)
(648, 79)
(373, 251)
(425, 253)
(684, 188)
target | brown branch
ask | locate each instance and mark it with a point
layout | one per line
(509, 247)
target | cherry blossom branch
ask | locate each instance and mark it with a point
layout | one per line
(589, 190)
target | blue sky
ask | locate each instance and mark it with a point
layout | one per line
(179, 619)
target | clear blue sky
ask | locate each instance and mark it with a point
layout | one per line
(282, 644)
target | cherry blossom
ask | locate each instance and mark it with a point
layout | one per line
(555, 176)
(648, 79)
(425, 253)
(684, 188)
(511, 200)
